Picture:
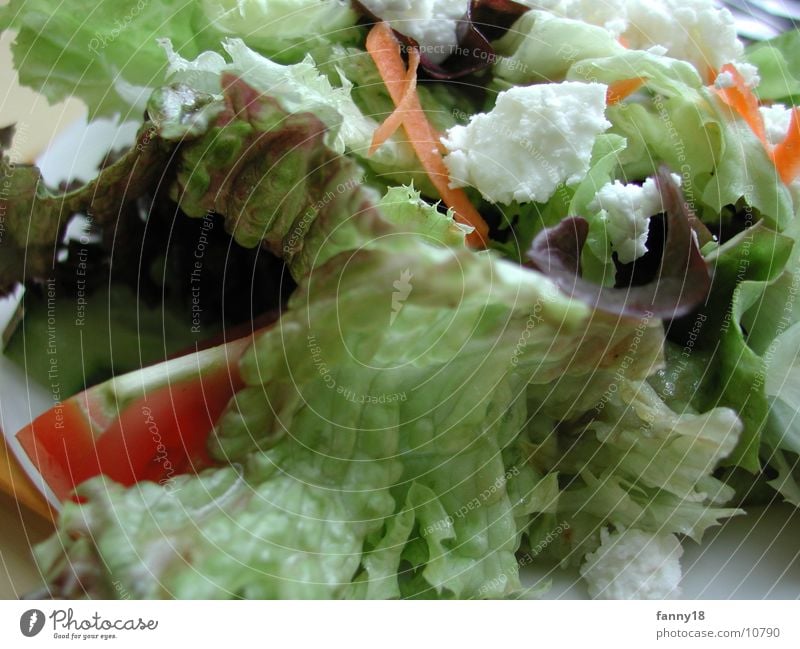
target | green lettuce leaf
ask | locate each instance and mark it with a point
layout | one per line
(36, 218)
(756, 256)
(636, 464)
(772, 323)
(406, 209)
(393, 437)
(108, 55)
(662, 74)
(744, 170)
(341, 87)
(596, 260)
(777, 62)
(298, 87)
(678, 128)
(718, 363)
(542, 47)
(336, 370)
(266, 169)
(282, 29)
(342, 431)
(290, 540)
(101, 51)
(681, 123)
(381, 566)
(525, 221)
(350, 428)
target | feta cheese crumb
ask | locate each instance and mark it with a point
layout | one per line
(777, 119)
(432, 23)
(534, 139)
(627, 209)
(724, 80)
(749, 75)
(693, 30)
(657, 50)
(697, 31)
(610, 14)
(749, 72)
(631, 564)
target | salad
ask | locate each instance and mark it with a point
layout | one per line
(390, 299)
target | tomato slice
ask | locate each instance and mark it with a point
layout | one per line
(60, 444)
(152, 424)
(165, 432)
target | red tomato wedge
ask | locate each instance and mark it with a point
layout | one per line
(152, 424)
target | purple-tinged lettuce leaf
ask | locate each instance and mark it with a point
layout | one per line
(35, 218)
(681, 283)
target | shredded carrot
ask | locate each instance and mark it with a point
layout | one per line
(395, 120)
(786, 155)
(742, 99)
(711, 74)
(384, 49)
(618, 90)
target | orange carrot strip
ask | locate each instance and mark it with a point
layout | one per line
(786, 155)
(395, 120)
(742, 99)
(384, 49)
(618, 90)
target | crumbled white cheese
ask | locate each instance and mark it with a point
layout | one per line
(749, 76)
(749, 72)
(657, 50)
(432, 23)
(697, 31)
(534, 139)
(776, 122)
(724, 80)
(631, 564)
(610, 14)
(627, 209)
